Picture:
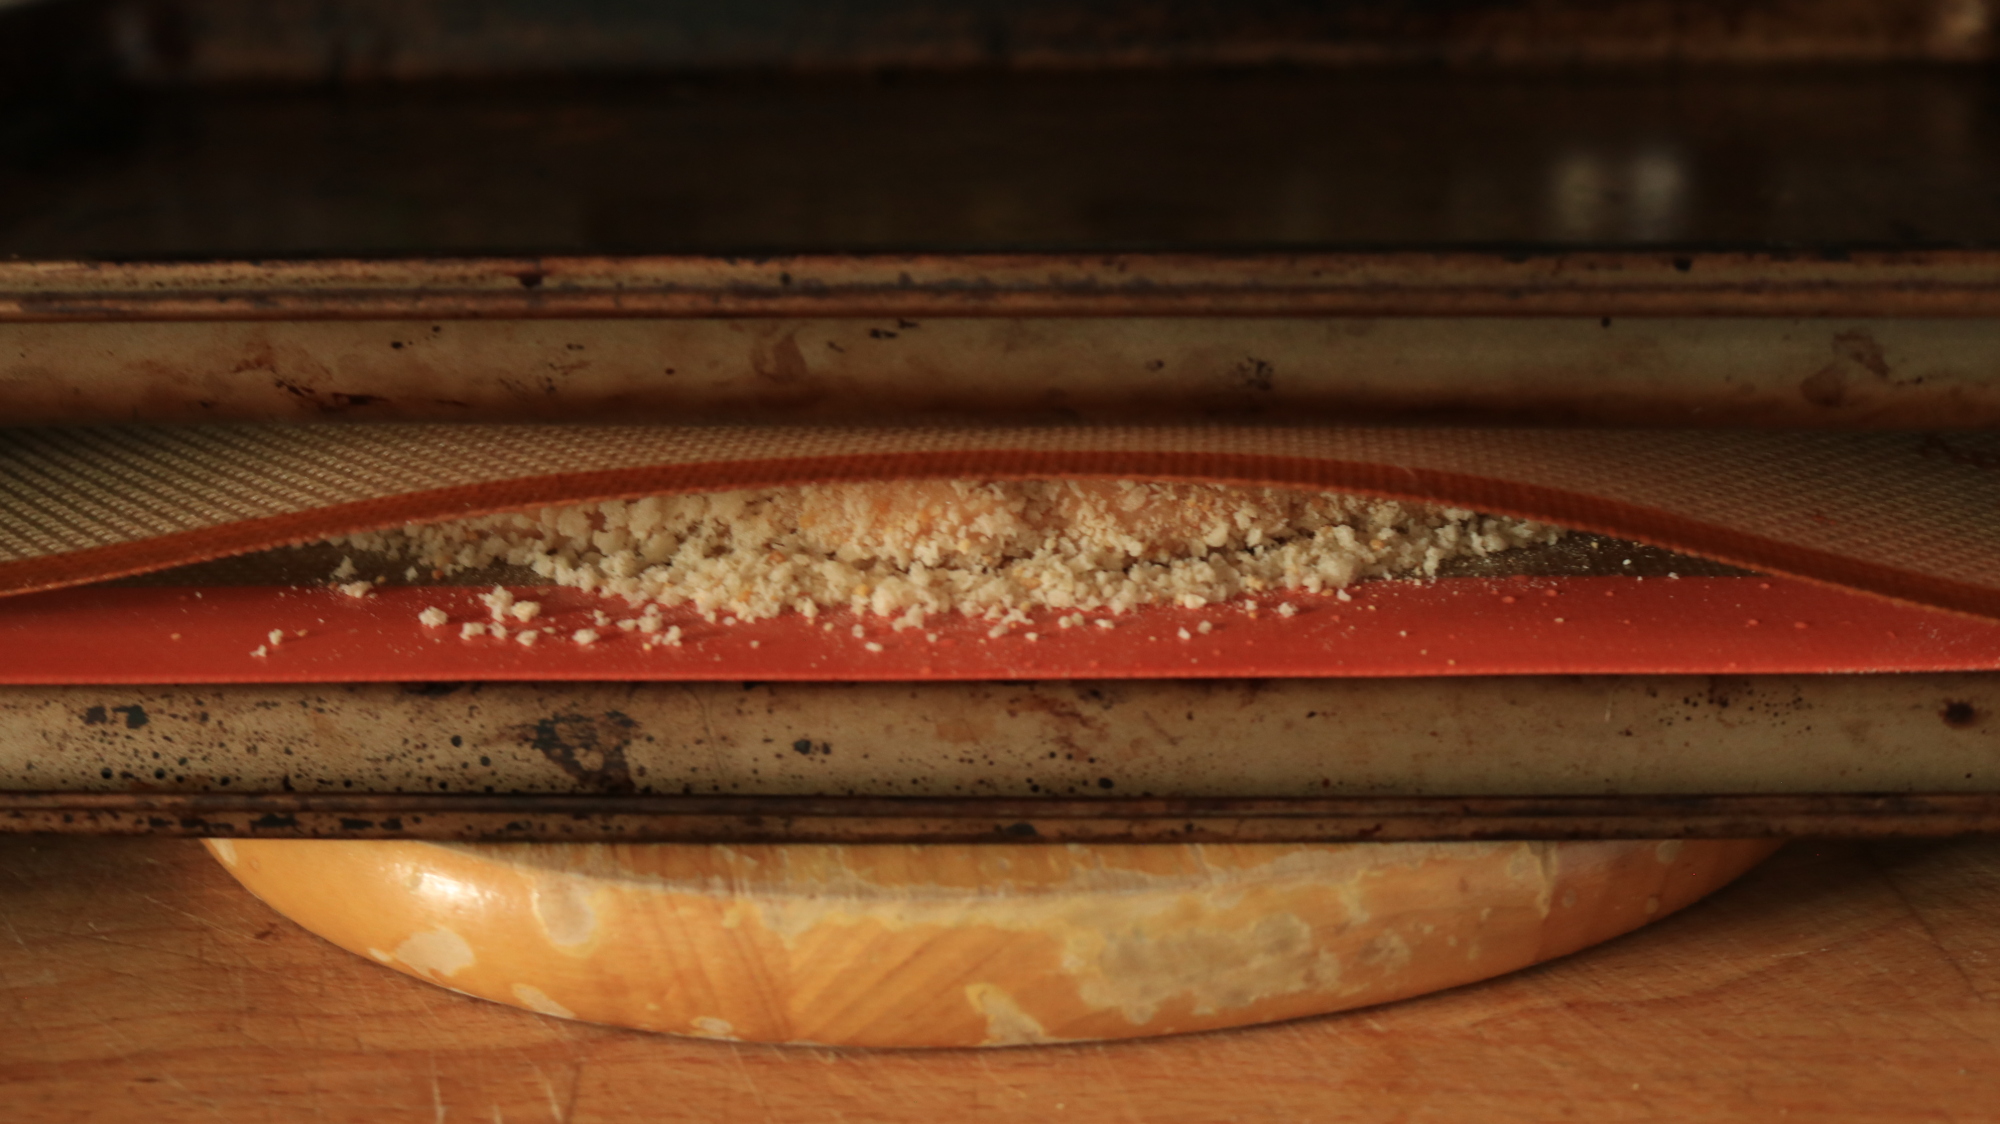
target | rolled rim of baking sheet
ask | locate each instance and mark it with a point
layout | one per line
(1569, 282)
(1906, 516)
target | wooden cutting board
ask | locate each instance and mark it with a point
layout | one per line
(987, 945)
(137, 980)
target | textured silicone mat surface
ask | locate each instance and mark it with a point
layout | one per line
(1904, 515)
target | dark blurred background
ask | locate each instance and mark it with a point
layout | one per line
(248, 128)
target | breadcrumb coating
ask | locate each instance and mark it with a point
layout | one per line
(909, 549)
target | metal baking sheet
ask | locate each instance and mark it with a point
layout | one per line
(860, 820)
(1860, 341)
(1279, 759)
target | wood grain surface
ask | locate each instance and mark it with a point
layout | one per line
(1836, 982)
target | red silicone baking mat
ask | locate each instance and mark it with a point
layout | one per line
(1451, 626)
(1909, 516)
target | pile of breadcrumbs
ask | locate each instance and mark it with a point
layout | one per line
(906, 550)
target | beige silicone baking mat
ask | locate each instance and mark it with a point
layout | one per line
(1910, 516)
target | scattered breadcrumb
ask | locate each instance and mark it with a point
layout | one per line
(1186, 635)
(525, 611)
(357, 589)
(434, 617)
(584, 636)
(1204, 628)
(906, 551)
(260, 651)
(470, 629)
(345, 570)
(498, 601)
(527, 637)
(872, 646)
(275, 637)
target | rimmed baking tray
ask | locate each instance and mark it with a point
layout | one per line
(1773, 249)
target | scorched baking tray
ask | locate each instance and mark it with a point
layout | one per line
(1281, 224)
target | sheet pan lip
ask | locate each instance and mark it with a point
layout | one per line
(1804, 282)
(1048, 820)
